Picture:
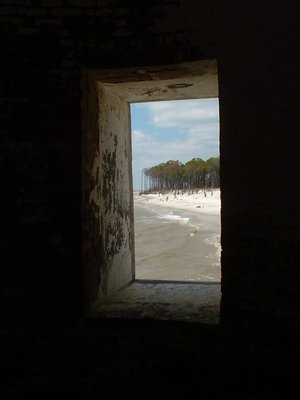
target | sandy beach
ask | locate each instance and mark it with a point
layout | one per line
(178, 237)
(203, 202)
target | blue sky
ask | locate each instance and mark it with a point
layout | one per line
(173, 130)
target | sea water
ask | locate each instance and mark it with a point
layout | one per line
(175, 244)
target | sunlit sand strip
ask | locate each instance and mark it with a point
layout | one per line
(204, 202)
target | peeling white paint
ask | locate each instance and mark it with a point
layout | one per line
(95, 170)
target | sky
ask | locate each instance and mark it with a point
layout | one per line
(173, 130)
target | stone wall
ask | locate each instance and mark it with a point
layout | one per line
(45, 47)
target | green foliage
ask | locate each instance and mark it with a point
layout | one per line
(173, 175)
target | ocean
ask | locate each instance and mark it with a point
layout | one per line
(176, 245)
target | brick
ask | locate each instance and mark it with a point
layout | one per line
(48, 21)
(34, 12)
(102, 12)
(104, 3)
(8, 10)
(68, 64)
(23, 2)
(27, 31)
(11, 20)
(82, 3)
(66, 12)
(53, 3)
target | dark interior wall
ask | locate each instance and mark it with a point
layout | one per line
(259, 133)
(45, 45)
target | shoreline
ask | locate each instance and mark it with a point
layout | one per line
(176, 239)
(203, 202)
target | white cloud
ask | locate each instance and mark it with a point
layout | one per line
(184, 114)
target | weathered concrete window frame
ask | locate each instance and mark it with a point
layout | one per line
(108, 222)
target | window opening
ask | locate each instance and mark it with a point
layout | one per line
(176, 190)
(111, 287)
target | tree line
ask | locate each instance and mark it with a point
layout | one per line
(174, 175)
